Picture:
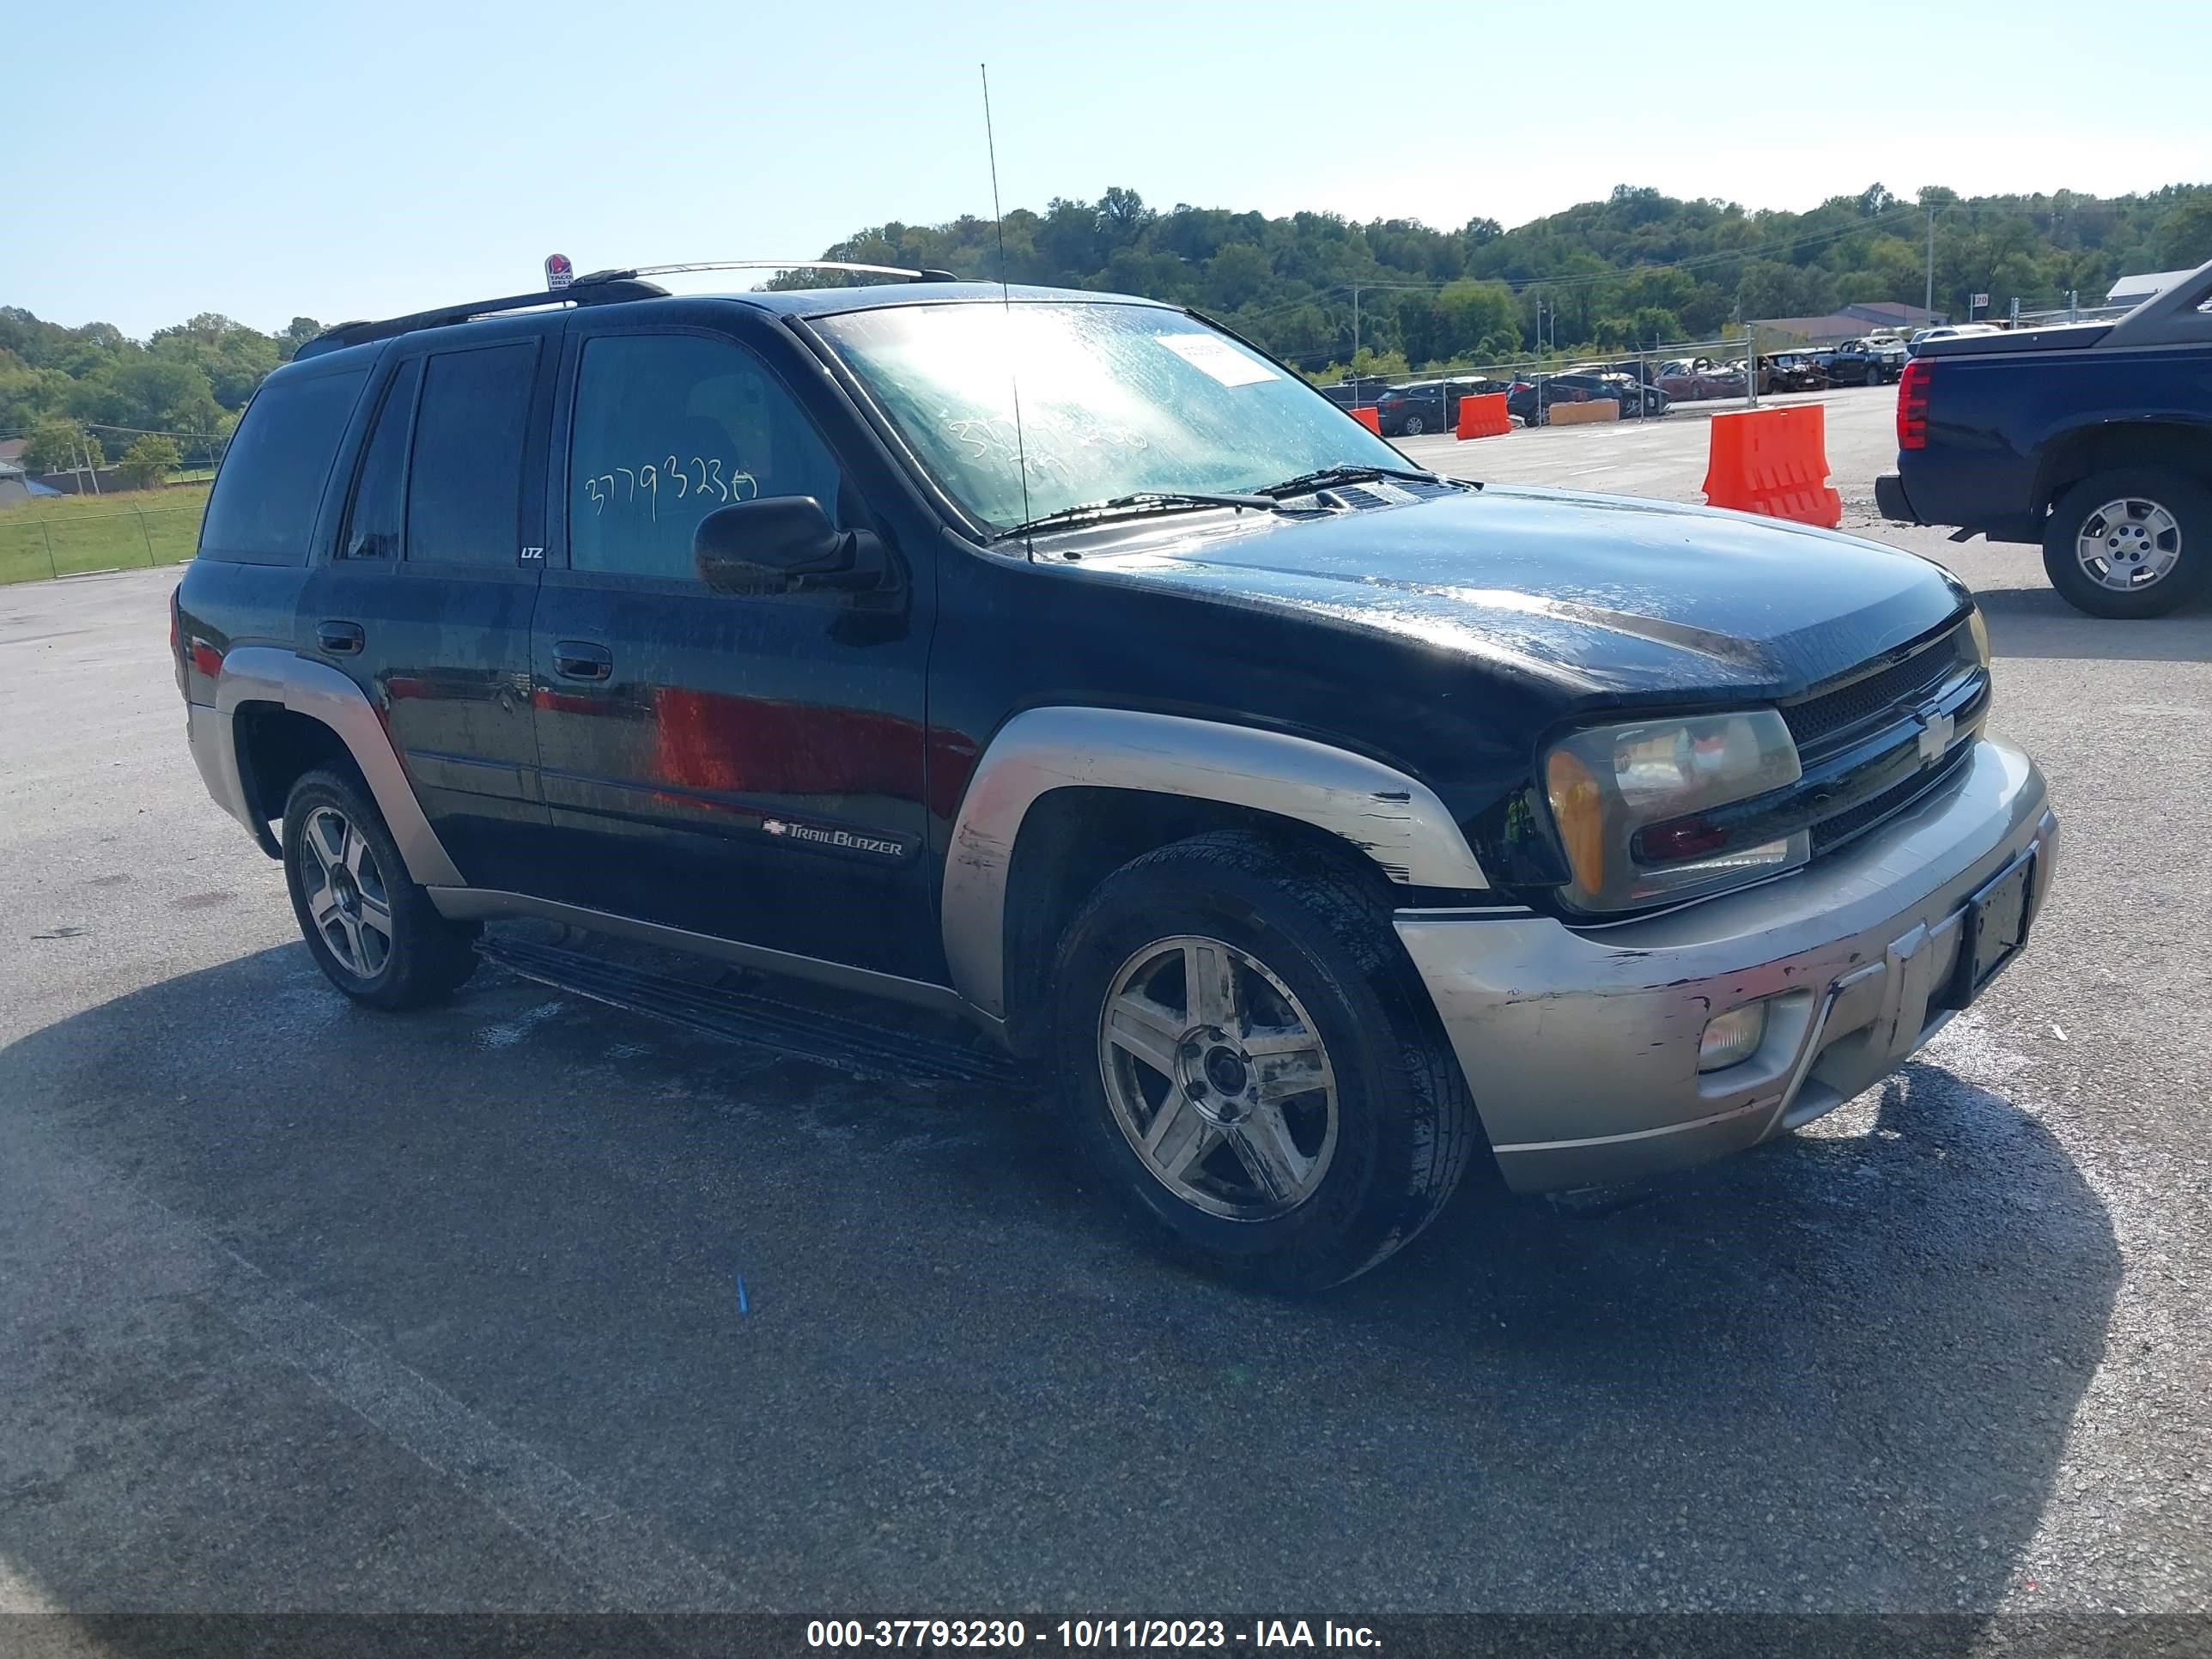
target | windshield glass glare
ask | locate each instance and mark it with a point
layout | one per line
(1114, 400)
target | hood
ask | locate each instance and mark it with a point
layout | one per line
(1595, 594)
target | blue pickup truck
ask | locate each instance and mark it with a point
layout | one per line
(2094, 439)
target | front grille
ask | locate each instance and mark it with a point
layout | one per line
(1830, 833)
(1902, 684)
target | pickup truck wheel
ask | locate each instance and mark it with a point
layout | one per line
(2133, 542)
(373, 933)
(1251, 1065)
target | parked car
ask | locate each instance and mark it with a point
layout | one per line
(2094, 439)
(1867, 362)
(1795, 371)
(1364, 391)
(1421, 406)
(1532, 400)
(1693, 379)
(1296, 828)
(1621, 388)
(1949, 331)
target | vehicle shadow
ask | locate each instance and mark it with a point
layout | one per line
(1834, 1373)
(2034, 621)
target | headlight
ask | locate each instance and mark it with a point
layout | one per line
(1978, 631)
(1657, 777)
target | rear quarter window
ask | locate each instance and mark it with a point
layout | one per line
(266, 497)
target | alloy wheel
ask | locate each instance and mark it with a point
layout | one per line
(1218, 1077)
(2128, 545)
(347, 899)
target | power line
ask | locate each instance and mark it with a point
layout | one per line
(134, 431)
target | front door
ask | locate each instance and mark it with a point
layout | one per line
(747, 766)
(426, 598)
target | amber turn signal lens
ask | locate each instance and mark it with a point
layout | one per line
(1578, 808)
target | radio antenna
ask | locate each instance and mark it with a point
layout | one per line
(1006, 299)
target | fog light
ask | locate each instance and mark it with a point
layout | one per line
(1732, 1037)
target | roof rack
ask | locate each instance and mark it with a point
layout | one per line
(604, 288)
(596, 288)
(636, 271)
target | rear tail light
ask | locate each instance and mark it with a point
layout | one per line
(1913, 403)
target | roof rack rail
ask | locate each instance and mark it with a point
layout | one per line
(604, 289)
(636, 271)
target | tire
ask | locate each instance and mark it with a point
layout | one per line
(2167, 521)
(1412, 427)
(341, 864)
(1375, 1146)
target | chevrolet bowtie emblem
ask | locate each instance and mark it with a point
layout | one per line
(1936, 729)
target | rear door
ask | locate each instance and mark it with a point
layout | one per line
(427, 599)
(747, 766)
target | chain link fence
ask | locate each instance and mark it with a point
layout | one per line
(34, 547)
(1709, 373)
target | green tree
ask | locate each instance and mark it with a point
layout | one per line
(1478, 320)
(2184, 237)
(1237, 276)
(297, 333)
(59, 445)
(151, 459)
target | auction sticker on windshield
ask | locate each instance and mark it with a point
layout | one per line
(1218, 358)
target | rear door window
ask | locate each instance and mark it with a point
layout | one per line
(465, 486)
(379, 497)
(263, 504)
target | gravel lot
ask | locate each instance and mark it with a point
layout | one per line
(308, 1307)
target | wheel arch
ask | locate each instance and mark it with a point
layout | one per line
(2084, 450)
(1127, 781)
(272, 711)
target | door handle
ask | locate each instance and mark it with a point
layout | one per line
(340, 639)
(579, 659)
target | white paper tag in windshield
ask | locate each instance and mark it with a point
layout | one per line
(1223, 360)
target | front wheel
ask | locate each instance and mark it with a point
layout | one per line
(1251, 1065)
(373, 932)
(2130, 543)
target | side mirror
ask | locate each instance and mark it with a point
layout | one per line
(775, 542)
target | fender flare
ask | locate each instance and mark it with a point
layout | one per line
(1394, 819)
(260, 673)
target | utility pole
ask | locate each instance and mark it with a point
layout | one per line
(1931, 263)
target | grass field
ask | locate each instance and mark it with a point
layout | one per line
(65, 535)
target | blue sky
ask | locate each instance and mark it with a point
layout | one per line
(273, 159)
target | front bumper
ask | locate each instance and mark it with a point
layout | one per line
(1889, 499)
(1581, 1045)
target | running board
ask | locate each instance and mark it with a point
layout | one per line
(808, 1033)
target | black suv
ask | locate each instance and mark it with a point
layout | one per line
(1318, 825)
(1407, 411)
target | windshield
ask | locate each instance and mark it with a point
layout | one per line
(1117, 400)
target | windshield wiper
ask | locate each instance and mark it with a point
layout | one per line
(1145, 501)
(1346, 473)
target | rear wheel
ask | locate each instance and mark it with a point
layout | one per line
(2130, 543)
(373, 932)
(1251, 1065)
(1413, 427)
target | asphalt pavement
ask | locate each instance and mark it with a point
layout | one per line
(306, 1307)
